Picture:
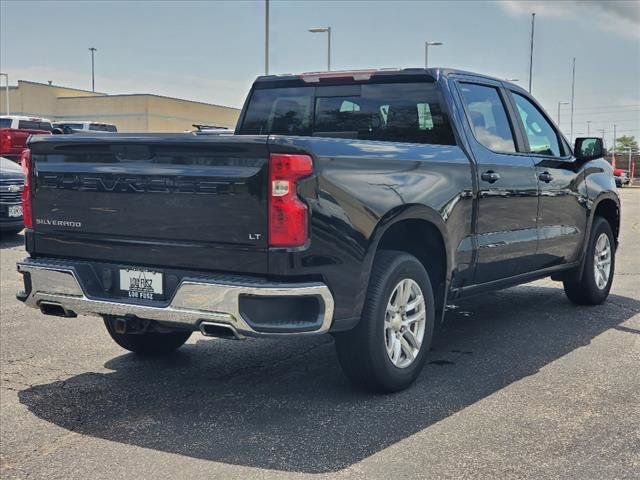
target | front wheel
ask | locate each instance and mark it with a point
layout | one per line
(592, 288)
(147, 343)
(387, 349)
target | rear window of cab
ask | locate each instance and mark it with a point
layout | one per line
(400, 112)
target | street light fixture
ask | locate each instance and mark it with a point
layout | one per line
(560, 103)
(426, 51)
(512, 79)
(6, 76)
(328, 32)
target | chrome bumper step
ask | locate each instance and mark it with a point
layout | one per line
(194, 302)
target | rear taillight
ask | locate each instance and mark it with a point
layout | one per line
(27, 212)
(5, 141)
(288, 215)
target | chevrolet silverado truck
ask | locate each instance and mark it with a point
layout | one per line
(354, 203)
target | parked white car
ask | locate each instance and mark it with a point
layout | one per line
(22, 122)
(82, 126)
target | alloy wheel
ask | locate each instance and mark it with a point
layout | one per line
(404, 323)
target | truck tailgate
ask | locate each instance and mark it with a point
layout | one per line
(179, 201)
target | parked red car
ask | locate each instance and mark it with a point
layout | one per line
(16, 129)
(621, 177)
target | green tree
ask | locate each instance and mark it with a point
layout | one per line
(626, 142)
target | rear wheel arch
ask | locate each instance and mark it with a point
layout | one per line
(419, 232)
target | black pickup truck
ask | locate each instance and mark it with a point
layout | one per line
(356, 203)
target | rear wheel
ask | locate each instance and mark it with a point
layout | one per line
(147, 343)
(387, 349)
(593, 286)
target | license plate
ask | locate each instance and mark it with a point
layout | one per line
(141, 284)
(15, 211)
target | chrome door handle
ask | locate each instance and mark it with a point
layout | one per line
(490, 176)
(545, 177)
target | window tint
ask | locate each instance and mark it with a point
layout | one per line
(5, 123)
(542, 137)
(487, 117)
(34, 125)
(101, 127)
(404, 112)
(285, 111)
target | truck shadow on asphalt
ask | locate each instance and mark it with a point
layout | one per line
(9, 240)
(285, 405)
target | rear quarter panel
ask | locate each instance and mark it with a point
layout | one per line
(359, 189)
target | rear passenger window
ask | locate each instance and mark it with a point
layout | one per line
(28, 125)
(34, 125)
(488, 117)
(543, 139)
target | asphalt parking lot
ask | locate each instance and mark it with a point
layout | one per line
(520, 384)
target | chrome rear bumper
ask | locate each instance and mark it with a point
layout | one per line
(195, 300)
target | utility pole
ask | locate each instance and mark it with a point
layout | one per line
(588, 128)
(533, 24)
(93, 75)
(266, 37)
(6, 91)
(573, 90)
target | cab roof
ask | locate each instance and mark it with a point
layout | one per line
(429, 74)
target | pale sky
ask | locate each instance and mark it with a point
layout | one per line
(211, 51)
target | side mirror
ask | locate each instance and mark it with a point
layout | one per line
(588, 148)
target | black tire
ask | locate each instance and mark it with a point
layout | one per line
(148, 343)
(584, 290)
(362, 351)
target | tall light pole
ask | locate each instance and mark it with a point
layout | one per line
(328, 32)
(533, 24)
(560, 103)
(266, 37)
(588, 128)
(93, 50)
(613, 154)
(6, 76)
(573, 91)
(426, 51)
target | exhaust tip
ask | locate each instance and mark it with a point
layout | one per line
(219, 330)
(56, 310)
